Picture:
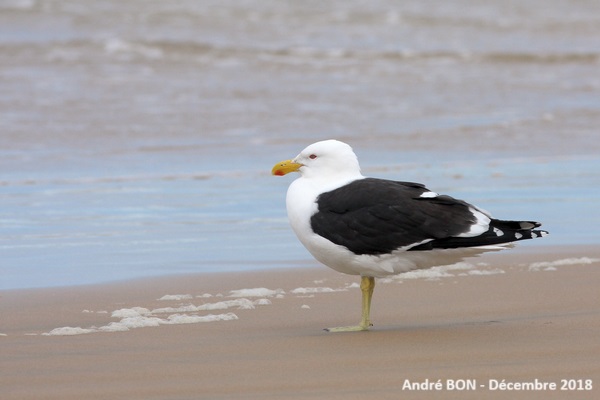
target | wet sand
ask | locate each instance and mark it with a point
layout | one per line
(517, 323)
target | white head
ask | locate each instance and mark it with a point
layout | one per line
(328, 159)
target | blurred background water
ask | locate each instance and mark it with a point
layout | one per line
(137, 136)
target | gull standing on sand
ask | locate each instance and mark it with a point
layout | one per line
(375, 227)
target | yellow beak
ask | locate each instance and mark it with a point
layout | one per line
(285, 167)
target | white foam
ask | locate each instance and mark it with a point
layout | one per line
(195, 319)
(309, 290)
(176, 297)
(241, 304)
(551, 265)
(305, 306)
(187, 308)
(446, 271)
(119, 46)
(113, 327)
(256, 292)
(141, 317)
(130, 312)
(484, 272)
(435, 272)
(141, 321)
(3, 334)
(432, 273)
(19, 5)
(68, 331)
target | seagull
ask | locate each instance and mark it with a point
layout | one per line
(374, 227)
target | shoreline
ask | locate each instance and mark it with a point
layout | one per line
(303, 264)
(518, 316)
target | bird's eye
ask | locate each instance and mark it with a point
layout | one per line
(312, 156)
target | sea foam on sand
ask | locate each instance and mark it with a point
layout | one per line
(142, 317)
(551, 265)
(309, 290)
(176, 297)
(446, 271)
(256, 292)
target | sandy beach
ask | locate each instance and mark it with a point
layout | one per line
(528, 316)
(136, 147)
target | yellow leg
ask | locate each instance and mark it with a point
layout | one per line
(367, 285)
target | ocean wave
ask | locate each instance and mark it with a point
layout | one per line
(165, 50)
(112, 179)
(18, 5)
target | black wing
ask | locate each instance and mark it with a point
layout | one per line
(377, 216)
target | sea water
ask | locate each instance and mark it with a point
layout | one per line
(137, 137)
